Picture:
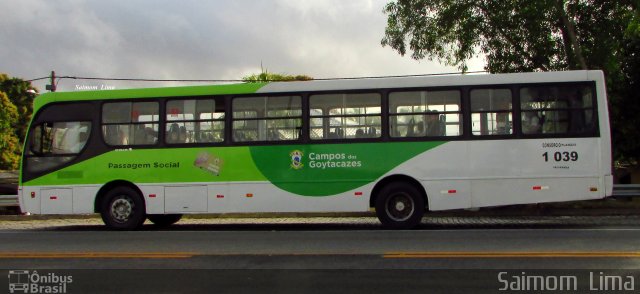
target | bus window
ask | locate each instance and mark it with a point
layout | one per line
(425, 114)
(316, 128)
(53, 144)
(276, 118)
(195, 121)
(345, 116)
(491, 112)
(130, 123)
(557, 109)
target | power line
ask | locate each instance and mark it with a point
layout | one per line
(240, 80)
(38, 79)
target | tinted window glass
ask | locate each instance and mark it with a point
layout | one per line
(491, 112)
(557, 110)
(345, 116)
(130, 123)
(425, 113)
(53, 144)
(276, 118)
(195, 121)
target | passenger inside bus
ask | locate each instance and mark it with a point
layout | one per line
(337, 134)
(432, 124)
(273, 135)
(419, 129)
(122, 138)
(182, 137)
(576, 113)
(372, 132)
(173, 135)
(531, 123)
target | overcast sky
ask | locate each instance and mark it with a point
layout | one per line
(198, 39)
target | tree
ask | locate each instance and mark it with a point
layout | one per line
(9, 144)
(627, 106)
(266, 76)
(20, 94)
(525, 35)
(517, 35)
(16, 107)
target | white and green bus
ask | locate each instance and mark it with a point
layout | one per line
(401, 146)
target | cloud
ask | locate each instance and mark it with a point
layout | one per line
(42, 35)
(199, 39)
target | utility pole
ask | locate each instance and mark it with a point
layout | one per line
(52, 87)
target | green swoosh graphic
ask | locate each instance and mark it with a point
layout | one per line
(329, 169)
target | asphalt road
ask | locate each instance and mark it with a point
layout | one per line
(277, 258)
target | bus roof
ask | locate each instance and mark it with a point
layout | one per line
(322, 85)
(227, 89)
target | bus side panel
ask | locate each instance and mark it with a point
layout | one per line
(219, 199)
(448, 194)
(56, 200)
(84, 198)
(465, 174)
(153, 198)
(527, 191)
(265, 197)
(535, 170)
(443, 173)
(185, 199)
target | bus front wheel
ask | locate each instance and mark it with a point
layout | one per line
(399, 205)
(164, 220)
(123, 209)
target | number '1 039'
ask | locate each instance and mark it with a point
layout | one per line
(561, 156)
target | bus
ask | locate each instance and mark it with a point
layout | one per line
(399, 146)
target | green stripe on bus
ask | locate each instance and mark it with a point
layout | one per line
(147, 166)
(307, 170)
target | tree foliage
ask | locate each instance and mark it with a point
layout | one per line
(265, 76)
(18, 92)
(524, 36)
(9, 144)
(16, 106)
(625, 96)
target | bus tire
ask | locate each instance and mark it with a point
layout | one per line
(399, 205)
(123, 209)
(164, 220)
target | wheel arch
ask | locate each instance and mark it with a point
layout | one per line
(111, 185)
(398, 178)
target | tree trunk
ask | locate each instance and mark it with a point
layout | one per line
(568, 31)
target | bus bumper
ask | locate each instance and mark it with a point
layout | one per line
(20, 201)
(608, 185)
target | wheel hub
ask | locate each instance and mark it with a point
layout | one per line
(121, 209)
(400, 207)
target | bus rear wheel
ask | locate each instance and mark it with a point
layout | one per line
(164, 220)
(399, 205)
(123, 209)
